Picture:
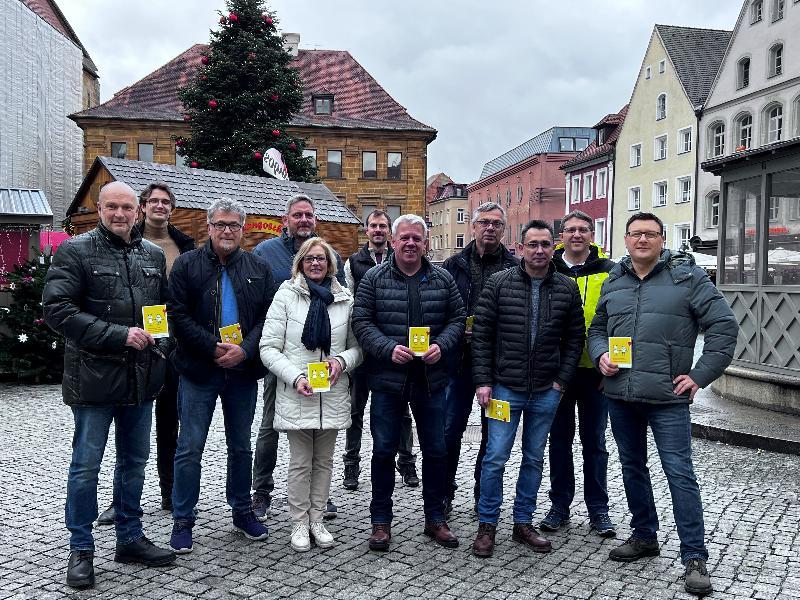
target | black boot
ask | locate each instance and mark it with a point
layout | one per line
(80, 569)
(144, 552)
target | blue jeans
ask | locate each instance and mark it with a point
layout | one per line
(671, 427)
(386, 413)
(537, 410)
(132, 440)
(592, 421)
(196, 403)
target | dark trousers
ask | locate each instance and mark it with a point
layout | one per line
(360, 394)
(266, 454)
(592, 421)
(167, 431)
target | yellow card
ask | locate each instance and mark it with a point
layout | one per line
(499, 410)
(154, 319)
(419, 340)
(470, 322)
(620, 351)
(232, 334)
(318, 377)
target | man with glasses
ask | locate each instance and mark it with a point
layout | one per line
(299, 224)
(527, 339)
(484, 256)
(660, 299)
(578, 257)
(219, 296)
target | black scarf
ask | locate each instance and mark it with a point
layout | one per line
(317, 330)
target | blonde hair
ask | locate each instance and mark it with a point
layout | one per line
(306, 248)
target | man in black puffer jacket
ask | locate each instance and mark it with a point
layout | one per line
(93, 296)
(526, 343)
(407, 291)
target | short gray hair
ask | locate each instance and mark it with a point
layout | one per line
(486, 207)
(298, 198)
(411, 219)
(226, 205)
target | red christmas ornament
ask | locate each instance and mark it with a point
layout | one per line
(293, 146)
(252, 56)
(233, 17)
(203, 77)
(276, 132)
(274, 97)
(257, 155)
(39, 321)
(212, 104)
(195, 164)
(204, 60)
(187, 117)
(179, 142)
(267, 19)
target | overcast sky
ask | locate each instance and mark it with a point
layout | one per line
(486, 75)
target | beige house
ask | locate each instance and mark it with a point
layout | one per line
(449, 221)
(656, 161)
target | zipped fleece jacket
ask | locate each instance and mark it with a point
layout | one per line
(196, 308)
(662, 314)
(93, 293)
(381, 321)
(283, 353)
(501, 336)
(589, 277)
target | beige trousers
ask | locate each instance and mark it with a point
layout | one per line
(308, 482)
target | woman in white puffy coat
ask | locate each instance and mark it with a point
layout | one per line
(309, 321)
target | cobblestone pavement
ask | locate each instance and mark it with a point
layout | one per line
(751, 508)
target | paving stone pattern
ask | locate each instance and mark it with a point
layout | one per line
(751, 508)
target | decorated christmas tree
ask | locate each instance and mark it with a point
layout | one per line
(244, 96)
(29, 349)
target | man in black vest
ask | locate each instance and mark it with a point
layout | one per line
(378, 228)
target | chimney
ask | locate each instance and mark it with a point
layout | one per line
(291, 43)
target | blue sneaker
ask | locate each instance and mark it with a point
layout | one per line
(554, 520)
(250, 526)
(603, 525)
(181, 539)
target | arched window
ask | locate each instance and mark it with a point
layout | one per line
(773, 123)
(778, 7)
(776, 60)
(756, 11)
(661, 107)
(716, 139)
(744, 132)
(743, 73)
(712, 209)
(796, 116)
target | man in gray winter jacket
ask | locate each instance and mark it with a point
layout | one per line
(660, 300)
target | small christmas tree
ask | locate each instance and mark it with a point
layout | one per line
(244, 96)
(29, 349)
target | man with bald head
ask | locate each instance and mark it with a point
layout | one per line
(113, 369)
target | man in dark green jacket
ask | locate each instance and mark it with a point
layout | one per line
(660, 300)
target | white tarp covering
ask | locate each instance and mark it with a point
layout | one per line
(40, 84)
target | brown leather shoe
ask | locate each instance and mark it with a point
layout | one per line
(483, 546)
(525, 533)
(381, 536)
(442, 534)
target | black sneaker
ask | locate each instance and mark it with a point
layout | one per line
(351, 473)
(697, 580)
(553, 520)
(634, 549)
(603, 525)
(260, 505)
(80, 569)
(107, 516)
(330, 510)
(409, 475)
(144, 552)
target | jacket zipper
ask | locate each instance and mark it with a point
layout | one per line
(320, 394)
(218, 302)
(132, 366)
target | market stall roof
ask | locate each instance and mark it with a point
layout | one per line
(21, 206)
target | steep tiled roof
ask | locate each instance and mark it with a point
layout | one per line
(359, 100)
(49, 11)
(196, 188)
(593, 150)
(696, 55)
(537, 145)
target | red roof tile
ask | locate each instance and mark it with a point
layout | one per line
(593, 151)
(359, 100)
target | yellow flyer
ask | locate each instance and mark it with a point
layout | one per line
(470, 322)
(620, 351)
(418, 340)
(155, 321)
(499, 410)
(231, 334)
(318, 377)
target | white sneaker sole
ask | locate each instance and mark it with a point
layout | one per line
(182, 550)
(255, 538)
(298, 548)
(323, 545)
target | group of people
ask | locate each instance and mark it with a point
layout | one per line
(524, 333)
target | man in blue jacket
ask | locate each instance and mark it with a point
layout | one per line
(660, 299)
(219, 300)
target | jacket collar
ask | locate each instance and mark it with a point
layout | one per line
(299, 284)
(679, 264)
(501, 252)
(116, 241)
(183, 241)
(426, 269)
(551, 269)
(209, 252)
(367, 253)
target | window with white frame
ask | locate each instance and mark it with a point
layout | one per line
(660, 148)
(588, 186)
(461, 215)
(600, 232)
(661, 107)
(634, 198)
(683, 189)
(712, 209)
(774, 123)
(575, 191)
(776, 60)
(636, 155)
(778, 7)
(716, 139)
(459, 240)
(684, 140)
(744, 131)
(796, 113)
(756, 11)
(659, 193)
(662, 65)
(683, 232)
(602, 182)
(743, 73)
(774, 208)
(648, 72)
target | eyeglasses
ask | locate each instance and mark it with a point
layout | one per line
(635, 235)
(310, 260)
(571, 230)
(157, 201)
(485, 223)
(544, 245)
(220, 226)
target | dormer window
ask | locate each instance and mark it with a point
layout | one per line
(323, 105)
(601, 137)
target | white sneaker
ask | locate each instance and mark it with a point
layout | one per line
(322, 536)
(300, 540)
